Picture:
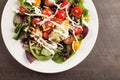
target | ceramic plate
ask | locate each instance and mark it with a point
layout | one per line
(16, 50)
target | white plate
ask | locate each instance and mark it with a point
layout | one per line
(16, 50)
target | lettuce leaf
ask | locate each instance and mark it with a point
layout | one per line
(85, 10)
(21, 1)
(57, 58)
(26, 4)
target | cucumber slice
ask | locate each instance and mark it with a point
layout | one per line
(45, 52)
(37, 54)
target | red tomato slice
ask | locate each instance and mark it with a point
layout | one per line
(76, 11)
(69, 40)
(45, 35)
(57, 20)
(48, 26)
(66, 3)
(77, 30)
(61, 14)
(35, 21)
(47, 11)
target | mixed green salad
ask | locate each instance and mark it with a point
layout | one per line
(50, 29)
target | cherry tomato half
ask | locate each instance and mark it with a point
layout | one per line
(35, 21)
(47, 11)
(57, 20)
(77, 30)
(61, 14)
(45, 35)
(48, 26)
(69, 40)
(76, 11)
(66, 3)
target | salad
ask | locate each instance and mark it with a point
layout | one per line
(50, 29)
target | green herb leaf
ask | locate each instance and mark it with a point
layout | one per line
(27, 6)
(81, 4)
(18, 34)
(58, 49)
(85, 11)
(57, 58)
(56, 1)
(71, 1)
(21, 1)
(29, 19)
(86, 14)
(17, 27)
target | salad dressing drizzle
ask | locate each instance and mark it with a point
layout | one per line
(46, 45)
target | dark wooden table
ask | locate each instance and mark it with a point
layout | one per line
(103, 63)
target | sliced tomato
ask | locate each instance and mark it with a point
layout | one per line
(47, 11)
(61, 14)
(76, 11)
(35, 21)
(66, 3)
(48, 26)
(57, 20)
(77, 30)
(45, 35)
(69, 40)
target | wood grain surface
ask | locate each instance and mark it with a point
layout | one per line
(103, 63)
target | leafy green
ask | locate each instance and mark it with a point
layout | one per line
(17, 19)
(57, 58)
(37, 51)
(20, 26)
(56, 1)
(21, 1)
(81, 20)
(85, 10)
(58, 49)
(79, 38)
(28, 6)
(81, 4)
(85, 14)
(19, 33)
(37, 54)
(69, 48)
(45, 52)
(29, 19)
(17, 27)
(71, 1)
